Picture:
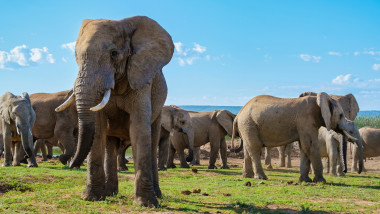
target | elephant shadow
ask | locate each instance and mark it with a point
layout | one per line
(357, 186)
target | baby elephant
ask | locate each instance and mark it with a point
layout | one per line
(330, 145)
(371, 146)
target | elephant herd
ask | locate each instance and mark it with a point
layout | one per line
(118, 101)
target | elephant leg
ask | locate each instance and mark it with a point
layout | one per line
(339, 167)
(17, 153)
(223, 153)
(95, 186)
(110, 165)
(182, 159)
(49, 151)
(43, 152)
(163, 147)
(66, 138)
(315, 158)
(333, 161)
(141, 139)
(121, 161)
(37, 146)
(288, 152)
(170, 163)
(247, 165)
(214, 150)
(7, 140)
(326, 165)
(354, 166)
(304, 167)
(156, 130)
(268, 158)
(197, 156)
(281, 152)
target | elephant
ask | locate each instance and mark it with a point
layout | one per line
(55, 126)
(331, 147)
(284, 152)
(350, 108)
(172, 118)
(119, 93)
(371, 146)
(17, 120)
(271, 121)
(210, 127)
(42, 144)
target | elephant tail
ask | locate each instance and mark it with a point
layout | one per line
(234, 130)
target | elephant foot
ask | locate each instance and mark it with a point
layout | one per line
(171, 166)
(32, 165)
(305, 179)
(247, 175)
(64, 158)
(162, 168)
(93, 195)
(262, 177)
(196, 164)
(25, 161)
(289, 166)
(150, 201)
(185, 166)
(269, 166)
(319, 180)
(5, 164)
(16, 164)
(225, 167)
(158, 192)
(122, 168)
(111, 190)
(49, 156)
(341, 174)
(212, 167)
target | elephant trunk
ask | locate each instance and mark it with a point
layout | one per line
(84, 99)
(360, 156)
(190, 139)
(27, 142)
(343, 154)
(237, 150)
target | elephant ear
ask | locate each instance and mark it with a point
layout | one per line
(324, 102)
(354, 107)
(33, 114)
(5, 107)
(152, 48)
(167, 118)
(225, 119)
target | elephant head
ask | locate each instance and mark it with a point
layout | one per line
(179, 120)
(334, 118)
(118, 56)
(18, 112)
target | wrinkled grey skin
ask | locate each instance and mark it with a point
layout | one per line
(271, 121)
(120, 67)
(350, 108)
(208, 127)
(371, 146)
(284, 152)
(55, 126)
(331, 148)
(17, 120)
(172, 118)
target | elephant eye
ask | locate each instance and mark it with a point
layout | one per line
(182, 122)
(341, 116)
(114, 54)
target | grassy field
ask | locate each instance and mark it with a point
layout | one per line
(53, 187)
(367, 121)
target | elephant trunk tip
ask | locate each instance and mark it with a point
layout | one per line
(75, 164)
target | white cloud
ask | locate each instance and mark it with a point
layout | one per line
(356, 53)
(178, 47)
(342, 79)
(305, 57)
(70, 46)
(18, 57)
(198, 48)
(181, 61)
(376, 67)
(64, 59)
(334, 53)
(207, 57)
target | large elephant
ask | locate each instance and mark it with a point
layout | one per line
(270, 121)
(120, 67)
(54, 126)
(17, 119)
(350, 108)
(371, 146)
(208, 127)
(172, 118)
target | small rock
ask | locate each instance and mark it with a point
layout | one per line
(196, 190)
(185, 192)
(261, 182)
(289, 182)
(248, 184)
(226, 194)
(195, 170)
(205, 194)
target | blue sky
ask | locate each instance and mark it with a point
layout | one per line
(227, 52)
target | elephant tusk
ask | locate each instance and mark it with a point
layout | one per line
(104, 102)
(18, 131)
(349, 136)
(66, 104)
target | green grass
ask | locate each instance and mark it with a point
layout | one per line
(53, 187)
(367, 121)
